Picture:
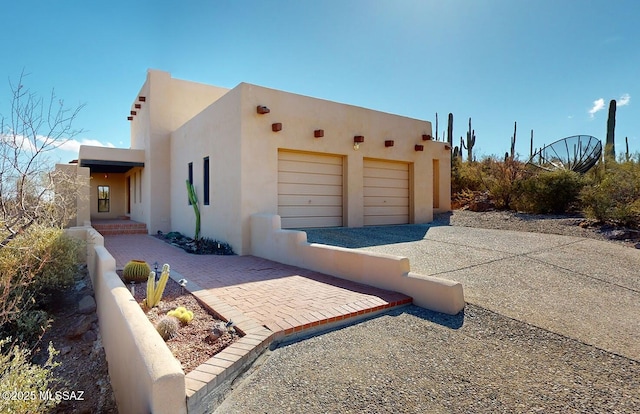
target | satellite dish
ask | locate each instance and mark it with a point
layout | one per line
(578, 153)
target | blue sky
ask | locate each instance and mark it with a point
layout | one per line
(551, 65)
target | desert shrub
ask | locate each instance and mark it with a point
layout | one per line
(466, 176)
(28, 326)
(549, 192)
(18, 374)
(612, 193)
(503, 180)
(167, 327)
(33, 266)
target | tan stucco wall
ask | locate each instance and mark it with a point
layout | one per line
(300, 116)
(244, 157)
(144, 374)
(375, 269)
(169, 104)
(80, 202)
(116, 183)
(215, 133)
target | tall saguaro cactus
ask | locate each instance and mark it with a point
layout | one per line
(450, 129)
(471, 141)
(193, 199)
(610, 147)
(436, 134)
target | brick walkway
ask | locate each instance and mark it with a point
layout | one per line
(282, 298)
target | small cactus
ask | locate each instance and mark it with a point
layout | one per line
(184, 315)
(136, 271)
(155, 290)
(167, 327)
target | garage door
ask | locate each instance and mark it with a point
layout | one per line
(386, 192)
(309, 190)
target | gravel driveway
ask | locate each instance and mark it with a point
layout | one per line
(414, 361)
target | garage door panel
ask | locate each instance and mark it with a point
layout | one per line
(309, 190)
(386, 201)
(311, 211)
(386, 182)
(304, 200)
(306, 222)
(384, 173)
(309, 158)
(385, 165)
(306, 178)
(310, 167)
(386, 192)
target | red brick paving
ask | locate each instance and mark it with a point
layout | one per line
(281, 297)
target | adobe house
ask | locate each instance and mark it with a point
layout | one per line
(252, 150)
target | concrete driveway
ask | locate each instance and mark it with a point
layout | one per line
(584, 289)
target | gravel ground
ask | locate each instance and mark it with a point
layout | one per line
(417, 361)
(413, 360)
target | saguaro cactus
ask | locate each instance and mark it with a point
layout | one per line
(193, 199)
(513, 141)
(450, 129)
(610, 147)
(471, 141)
(436, 135)
(531, 147)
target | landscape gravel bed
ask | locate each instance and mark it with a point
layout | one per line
(415, 361)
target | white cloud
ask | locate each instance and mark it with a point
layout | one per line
(73, 145)
(598, 105)
(624, 100)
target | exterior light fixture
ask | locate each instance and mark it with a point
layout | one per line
(261, 109)
(388, 143)
(276, 127)
(419, 147)
(426, 137)
(318, 133)
(357, 140)
(142, 98)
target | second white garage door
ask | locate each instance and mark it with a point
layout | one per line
(309, 190)
(386, 192)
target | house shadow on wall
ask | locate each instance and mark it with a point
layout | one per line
(356, 237)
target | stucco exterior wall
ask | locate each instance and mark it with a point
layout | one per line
(116, 183)
(168, 104)
(215, 132)
(300, 116)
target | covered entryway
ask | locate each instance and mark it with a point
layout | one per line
(310, 189)
(386, 192)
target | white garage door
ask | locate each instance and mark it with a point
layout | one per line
(309, 190)
(386, 192)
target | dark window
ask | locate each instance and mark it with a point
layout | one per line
(103, 199)
(190, 178)
(206, 181)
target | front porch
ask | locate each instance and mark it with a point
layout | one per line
(121, 225)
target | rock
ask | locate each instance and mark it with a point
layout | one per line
(80, 285)
(82, 325)
(87, 305)
(637, 245)
(89, 336)
(65, 350)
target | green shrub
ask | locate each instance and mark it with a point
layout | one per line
(613, 194)
(502, 180)
(549, 192)
(466, 176)
(32, 267)
(17, 374)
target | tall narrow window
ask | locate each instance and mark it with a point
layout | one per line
(190, 178)
(103, 199)
(206, 181)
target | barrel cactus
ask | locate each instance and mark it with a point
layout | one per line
(136, 271)
(167, 327)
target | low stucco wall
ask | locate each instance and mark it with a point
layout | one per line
(389, 272)
(144, 374)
